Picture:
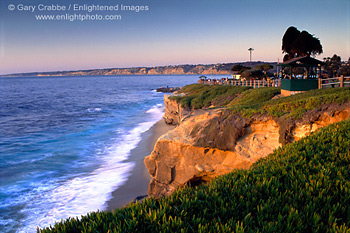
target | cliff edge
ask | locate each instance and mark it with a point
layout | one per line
(209, 142)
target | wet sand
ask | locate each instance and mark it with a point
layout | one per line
(137, 183)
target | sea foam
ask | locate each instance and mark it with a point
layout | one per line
(89, 192)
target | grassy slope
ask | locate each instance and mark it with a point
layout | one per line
(250, 104)
(200, 96)
(248, 101)
(301, 187)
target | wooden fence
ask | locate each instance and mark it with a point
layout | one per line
(250, 83)
(322, 83)
(334, 82)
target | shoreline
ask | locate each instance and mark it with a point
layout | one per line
(137, 183)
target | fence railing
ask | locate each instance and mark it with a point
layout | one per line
(322, 83)
(248, 83)
(334, 82)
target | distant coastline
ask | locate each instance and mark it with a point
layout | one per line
(215, 69)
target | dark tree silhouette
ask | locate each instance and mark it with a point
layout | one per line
(239, 68)
(264, 67)
(332, 65)
(345, 69)
(307, 45)
(249, 74)
(296, 44)
(288, 39)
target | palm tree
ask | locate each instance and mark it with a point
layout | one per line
(250, 50)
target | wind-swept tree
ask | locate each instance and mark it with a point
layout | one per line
(288, 39)
(296, 44)
(307, 45)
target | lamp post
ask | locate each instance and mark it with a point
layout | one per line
(250, 51)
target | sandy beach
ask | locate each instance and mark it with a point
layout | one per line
(137, 184)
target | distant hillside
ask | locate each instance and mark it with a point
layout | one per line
(159, 70)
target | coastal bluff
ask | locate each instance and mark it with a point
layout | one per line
(186, 69)
(208, 69)
(209, 142)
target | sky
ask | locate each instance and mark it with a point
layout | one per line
(166, 32)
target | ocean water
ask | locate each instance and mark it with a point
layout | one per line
(65, 142)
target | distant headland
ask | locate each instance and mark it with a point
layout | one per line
(215, 69)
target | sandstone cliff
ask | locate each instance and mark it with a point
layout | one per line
(208, 143)
(208, 69)
(174, 113)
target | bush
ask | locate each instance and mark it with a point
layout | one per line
(301, 187)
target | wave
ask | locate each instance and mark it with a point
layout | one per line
(89, 192)
(94, 109)
(29, 161)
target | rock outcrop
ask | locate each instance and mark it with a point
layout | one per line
(174, 113)
(209, 143)
(168, 89)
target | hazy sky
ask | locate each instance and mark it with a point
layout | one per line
(170, 32)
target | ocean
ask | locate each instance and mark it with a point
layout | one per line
(65, 142)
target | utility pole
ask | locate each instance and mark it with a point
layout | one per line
(250, 50)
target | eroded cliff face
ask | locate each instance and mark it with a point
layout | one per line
(174, 113)
(215, 69)
(209, 143)
(323, 118)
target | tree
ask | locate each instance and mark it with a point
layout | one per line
(250, 59)
(249, 74)
(296, 44)
(307, 45)
(345, 69)
(265, 67)
(239, 68)
(332, 65)
(288, 39)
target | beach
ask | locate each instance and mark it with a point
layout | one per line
(137, 183)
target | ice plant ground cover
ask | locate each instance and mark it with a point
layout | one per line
(301, 187)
